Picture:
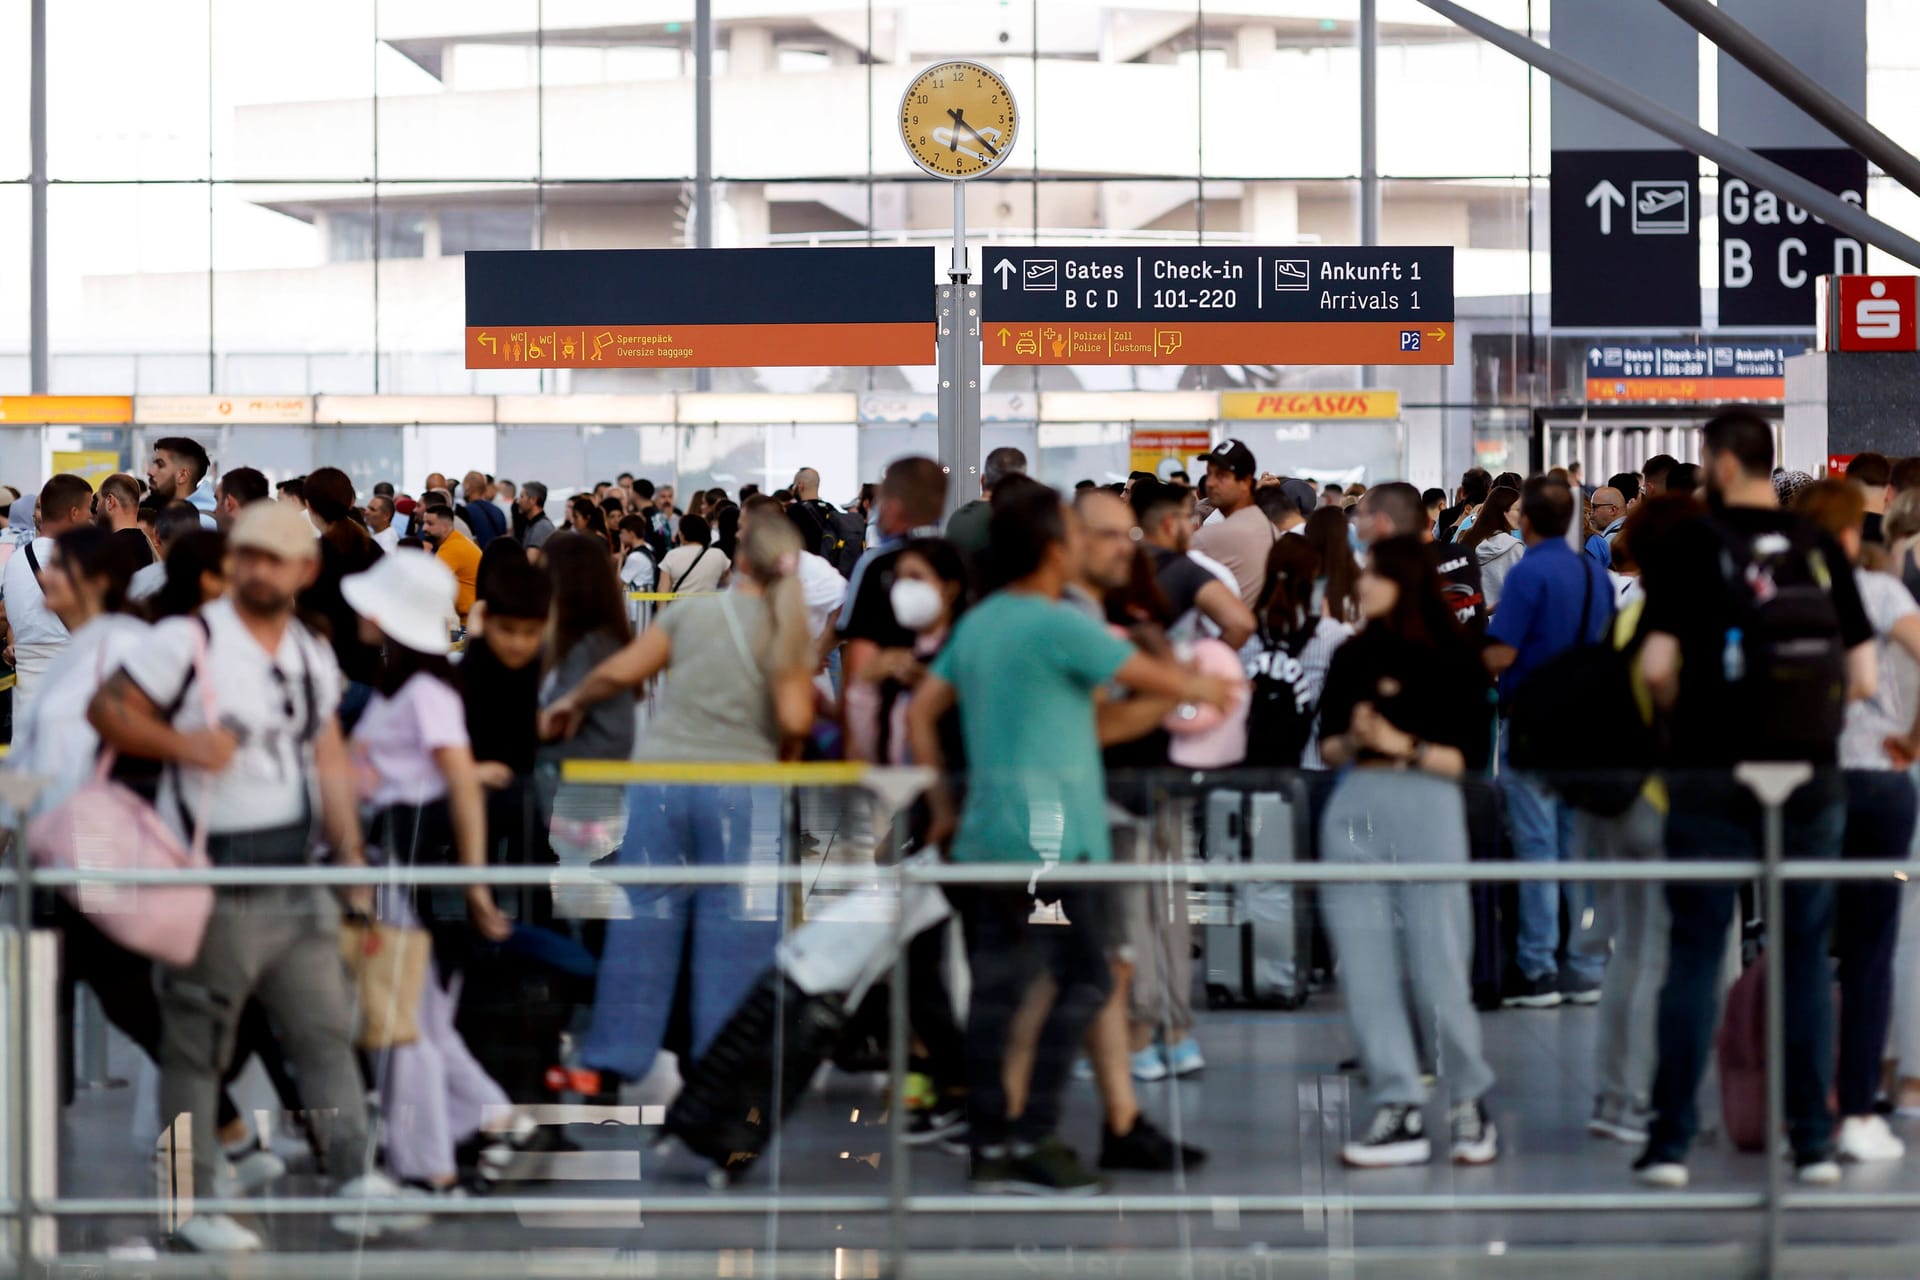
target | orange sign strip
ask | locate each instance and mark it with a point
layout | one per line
(1360, 342)
(65, 409)
(1700, 390)
(696, 346)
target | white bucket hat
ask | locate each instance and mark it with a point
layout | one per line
(408, 594)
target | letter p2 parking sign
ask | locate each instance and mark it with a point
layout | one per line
(1409, 339)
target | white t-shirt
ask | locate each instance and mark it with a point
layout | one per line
(694, 568)
(37, 634)
(53, 738)
(636, 571)
(147, 581)
(388, 539)
(1889, 712)
(825, 591)
(260, 697)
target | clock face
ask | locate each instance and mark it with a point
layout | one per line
(958, 120)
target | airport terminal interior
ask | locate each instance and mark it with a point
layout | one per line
(1369, 240)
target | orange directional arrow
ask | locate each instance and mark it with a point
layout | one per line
(1436, 333)
(488, 341)
(1004, 335)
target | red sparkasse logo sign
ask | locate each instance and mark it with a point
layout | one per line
(1871, 313)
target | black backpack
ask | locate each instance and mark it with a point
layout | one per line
(846, 541)
(1575, 722)
(1788, 667)
(1281, 712)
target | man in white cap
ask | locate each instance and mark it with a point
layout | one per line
(256, 754)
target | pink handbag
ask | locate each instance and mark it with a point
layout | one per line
(105, 825)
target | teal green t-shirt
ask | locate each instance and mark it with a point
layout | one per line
(1025, 669)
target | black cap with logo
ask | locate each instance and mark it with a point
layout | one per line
(1235, 457)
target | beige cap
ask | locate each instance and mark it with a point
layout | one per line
(277, 528)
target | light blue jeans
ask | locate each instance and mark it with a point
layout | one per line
(729, 947)
(1542, 829)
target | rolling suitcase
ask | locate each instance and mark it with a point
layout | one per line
(1258, 936)
(752, 1074)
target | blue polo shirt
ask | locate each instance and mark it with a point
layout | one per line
(1539, 613)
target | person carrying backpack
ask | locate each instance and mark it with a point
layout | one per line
(1288, 673)
(1755, 641)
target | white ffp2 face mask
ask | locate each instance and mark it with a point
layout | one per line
(916, 604)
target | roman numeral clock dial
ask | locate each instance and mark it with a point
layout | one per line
(958, 120)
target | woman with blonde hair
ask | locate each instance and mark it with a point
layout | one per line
(741, 691)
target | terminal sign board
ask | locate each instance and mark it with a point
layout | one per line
(1230, 305)
(694, 308)
(1688, 373)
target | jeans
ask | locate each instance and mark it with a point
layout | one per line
(1542, 828)
(1005, 953)
(1716, 817)
(1880, 818)
(709, 928)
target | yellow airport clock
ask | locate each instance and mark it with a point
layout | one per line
(958, 120)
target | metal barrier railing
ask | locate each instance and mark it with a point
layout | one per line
(29, 1205)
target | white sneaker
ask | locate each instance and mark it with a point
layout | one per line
(1867, 1139)
(254, 1170)
(1817, 1173)
(369, 1225)
(1668, 1174)
(215, 1233)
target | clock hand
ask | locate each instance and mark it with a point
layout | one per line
(953, 135)
(959, 118)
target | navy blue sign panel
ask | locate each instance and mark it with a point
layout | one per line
(1289, 284)
(1771, 251)
(1700, 373)
(694, 308)
(1626, 239)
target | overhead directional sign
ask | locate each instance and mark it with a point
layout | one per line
(1772, 251)
(689, 308)
(1691, 372)
(1231, 305)
(1625, 204)
(1626, 239)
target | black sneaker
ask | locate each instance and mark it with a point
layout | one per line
(1542, 992)
(989, 1170)
(1051, 1169)
(1146, 1149)
(1475, 1140)
(1576, 990)
(1398, 1136)
(935, 1124)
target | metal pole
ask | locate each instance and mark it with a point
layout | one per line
(703, 144)
(1369, 122)
(1775, 958)
(958, 272)
(1799, 88)
(899, 1179)
(37, 196)
(1577, 76)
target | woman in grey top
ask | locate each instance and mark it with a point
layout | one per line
(588, 625)
(1494, 543)
(737, 687)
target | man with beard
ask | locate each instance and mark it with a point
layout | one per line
(242, 758)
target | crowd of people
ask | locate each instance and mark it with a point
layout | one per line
(310, 672)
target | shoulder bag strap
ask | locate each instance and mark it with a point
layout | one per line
(1586, 599)
(197, 848)
(33, 561)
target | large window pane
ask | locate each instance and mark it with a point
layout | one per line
(283, 73)
(459, 90)
(14, 270)
(127, 288)
(14, 160)
(286, 319)
(127, 89)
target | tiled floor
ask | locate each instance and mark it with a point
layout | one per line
(1272, 1107)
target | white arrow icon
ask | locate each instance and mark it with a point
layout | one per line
(1593, 355)
(1005, 268)
(1606, 195)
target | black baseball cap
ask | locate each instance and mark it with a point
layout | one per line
(1234, 456)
